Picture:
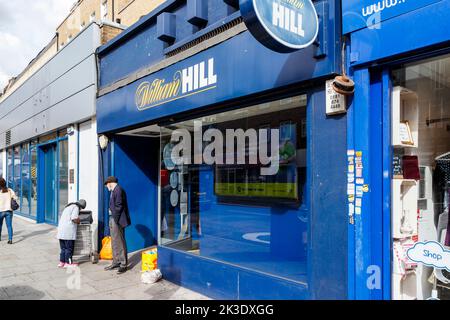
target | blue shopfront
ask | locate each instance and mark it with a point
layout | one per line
(399, 124)
(255, 206)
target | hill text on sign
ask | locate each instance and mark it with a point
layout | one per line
(281, 25)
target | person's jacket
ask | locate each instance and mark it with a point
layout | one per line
(119, 207)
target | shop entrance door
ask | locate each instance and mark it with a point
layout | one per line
(47, 182)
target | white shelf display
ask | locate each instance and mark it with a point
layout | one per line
(405, 118)
(405, 280)
(404, 287)
(404, 208)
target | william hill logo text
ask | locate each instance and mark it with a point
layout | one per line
(189, 81)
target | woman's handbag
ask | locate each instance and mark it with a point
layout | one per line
(14, 205)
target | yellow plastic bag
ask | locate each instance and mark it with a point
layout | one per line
(150, 260)
(106, 252)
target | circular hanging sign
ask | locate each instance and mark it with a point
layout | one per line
(174, 179)
(167, 156)
(281, 25)
(174, 198)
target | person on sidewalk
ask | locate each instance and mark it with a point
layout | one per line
(6, 212)
(119, 219)
(67, 232)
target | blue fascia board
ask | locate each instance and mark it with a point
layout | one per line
(117, 110)
(416, 30)
(360, 14)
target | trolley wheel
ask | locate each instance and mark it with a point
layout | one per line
(94, 257)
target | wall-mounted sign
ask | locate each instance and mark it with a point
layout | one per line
(281, 25)
(335, 102)
(189, 81)
(369, 13)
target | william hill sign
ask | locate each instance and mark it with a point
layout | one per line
(281, 25)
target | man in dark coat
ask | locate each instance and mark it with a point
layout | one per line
(119, 219)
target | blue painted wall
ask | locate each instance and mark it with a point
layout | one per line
(136, 167)
(222, 281)
(327, 163)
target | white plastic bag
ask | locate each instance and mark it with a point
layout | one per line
(150, 277)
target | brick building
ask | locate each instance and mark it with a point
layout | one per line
(124, 12)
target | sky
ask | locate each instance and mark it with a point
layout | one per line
(26, 27)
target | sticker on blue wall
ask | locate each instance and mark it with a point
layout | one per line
(430, 253)
(281, 25)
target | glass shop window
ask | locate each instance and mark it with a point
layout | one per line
(232, 187)
(25, 181)
(1, 165)
(9, 168)
(421, 179)
(17, 171)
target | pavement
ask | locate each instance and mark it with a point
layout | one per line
(28, 272)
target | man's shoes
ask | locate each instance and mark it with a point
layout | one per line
(122, 270)
(10, 242)
(112, 267)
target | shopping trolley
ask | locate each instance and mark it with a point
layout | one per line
(84, 246)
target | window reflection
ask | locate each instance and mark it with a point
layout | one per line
(25, 181)
(230, 211)
(63, 175)
(16, 171)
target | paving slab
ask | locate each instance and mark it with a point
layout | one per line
(28, 271)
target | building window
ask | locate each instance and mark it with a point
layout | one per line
(92, 17)
(104, 10)
(69, 38)
(82, 25)
(243, 202)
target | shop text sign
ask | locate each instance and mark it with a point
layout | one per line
(189, 81)
(359, 14)
(281, 25)
(431, 254)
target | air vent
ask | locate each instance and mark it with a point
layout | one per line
(206, 36)
(8, 138)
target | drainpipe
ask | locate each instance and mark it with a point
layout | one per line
(113, 1)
